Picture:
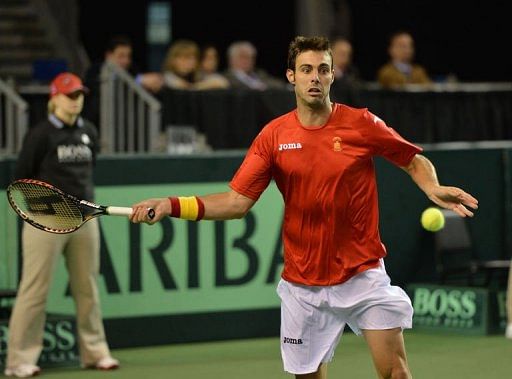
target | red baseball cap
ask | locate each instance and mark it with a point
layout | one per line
(66, 83)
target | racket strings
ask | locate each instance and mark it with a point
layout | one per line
(46, 206)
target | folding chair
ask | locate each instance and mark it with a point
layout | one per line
(455, 257)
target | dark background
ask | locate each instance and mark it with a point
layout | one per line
(468, 39)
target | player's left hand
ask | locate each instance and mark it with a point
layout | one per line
(455, 199)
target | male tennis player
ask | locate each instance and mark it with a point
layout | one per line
(320, 156)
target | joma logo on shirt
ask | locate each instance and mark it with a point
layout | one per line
(293, 341)
(290, 146)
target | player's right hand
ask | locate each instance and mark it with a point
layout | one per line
(161, 207)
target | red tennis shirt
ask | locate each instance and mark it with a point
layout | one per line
(327, 178)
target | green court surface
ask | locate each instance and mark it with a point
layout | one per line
(430, 356)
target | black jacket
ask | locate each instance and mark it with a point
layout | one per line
(61, 155)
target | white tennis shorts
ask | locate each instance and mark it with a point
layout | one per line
(313, 317)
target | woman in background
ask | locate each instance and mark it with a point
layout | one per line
(181, 68)
(209, 68)
(61, 150)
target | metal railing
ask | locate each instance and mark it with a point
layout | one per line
(13, 119)
(130, 119)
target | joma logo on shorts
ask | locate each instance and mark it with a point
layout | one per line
(290, 146)
(293, 341)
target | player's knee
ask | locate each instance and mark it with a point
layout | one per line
(401, 372)
(395, 371)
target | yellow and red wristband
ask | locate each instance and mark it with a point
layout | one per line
(188, 208)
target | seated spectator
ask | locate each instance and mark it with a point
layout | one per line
(209, 66)
(345, 73)
(118, 52)
(347, 80)
(401, 70)
(243, 73)
(181, 68)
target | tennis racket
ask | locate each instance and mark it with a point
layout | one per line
(50, 209)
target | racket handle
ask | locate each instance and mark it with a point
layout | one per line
(119, 211)
(125, 211)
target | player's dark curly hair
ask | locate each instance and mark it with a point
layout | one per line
(301, 44)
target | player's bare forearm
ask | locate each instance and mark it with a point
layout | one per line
(220, 206)
(226, 205)
(423, 172)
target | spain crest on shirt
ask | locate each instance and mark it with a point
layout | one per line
(336, 144)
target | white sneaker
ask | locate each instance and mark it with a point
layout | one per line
(508, 332)
(106, 363)
(25, 370)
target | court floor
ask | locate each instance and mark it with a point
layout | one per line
(430, 356)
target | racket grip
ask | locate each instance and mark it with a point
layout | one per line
(119, 211)
(125, 211)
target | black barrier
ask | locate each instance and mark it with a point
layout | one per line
(231, 119)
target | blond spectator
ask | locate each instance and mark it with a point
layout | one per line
(181, 68)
